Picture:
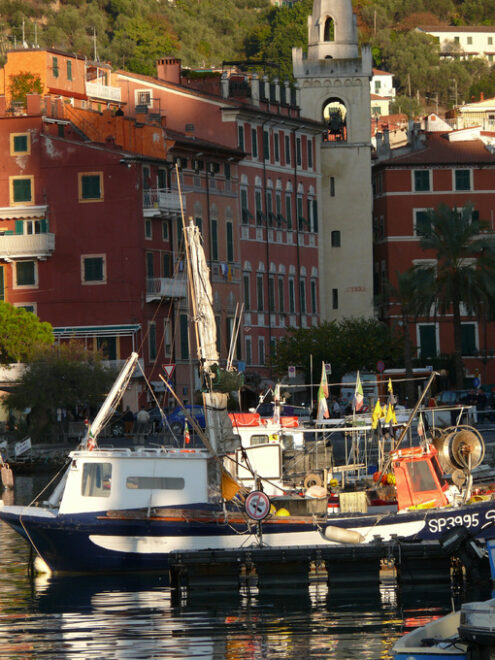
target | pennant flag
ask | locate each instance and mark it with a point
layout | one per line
(377, 415)
(390, 416)
(391, 397)
(187, 435)
(421, 426)
(322, 396)
(358, 394)
(90, 440)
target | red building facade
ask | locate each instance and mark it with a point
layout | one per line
(98, 176)
(454, 168)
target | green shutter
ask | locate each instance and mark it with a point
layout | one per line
(184, 340)
(214, 240)
(468, 339)
(91, 188)
(25, 273)
(230, 242)
(20, 143)
(22, 190)
(93, 269)
(19, 227)
(428, 341)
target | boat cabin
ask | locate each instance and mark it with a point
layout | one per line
(108, 479)
(419, 478)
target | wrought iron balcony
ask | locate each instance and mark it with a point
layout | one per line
(165, 287)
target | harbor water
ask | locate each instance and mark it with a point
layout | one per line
(140, 617)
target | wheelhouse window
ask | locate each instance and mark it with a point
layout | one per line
(90, 186)
(96, 480)
(155, 483)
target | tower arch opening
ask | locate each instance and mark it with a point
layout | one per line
(329, 29)
(335, 117)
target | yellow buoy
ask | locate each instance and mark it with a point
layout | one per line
(282, 512)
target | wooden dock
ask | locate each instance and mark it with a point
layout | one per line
(340, 566)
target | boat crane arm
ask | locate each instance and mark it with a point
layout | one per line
(113, 397)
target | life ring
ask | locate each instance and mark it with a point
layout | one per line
(312, 480)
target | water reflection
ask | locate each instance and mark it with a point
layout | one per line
(138, 616)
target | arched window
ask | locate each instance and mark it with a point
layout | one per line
(335, 117)
(329, 32)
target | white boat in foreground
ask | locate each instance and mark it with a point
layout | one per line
(468, 634)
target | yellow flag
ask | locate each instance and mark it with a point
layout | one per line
(377, 413)
(390, 417)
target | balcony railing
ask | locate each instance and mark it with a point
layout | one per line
(103, 91)
(22, 246)
(163, 200)
(165, 287)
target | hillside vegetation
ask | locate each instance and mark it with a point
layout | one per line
(132, 34)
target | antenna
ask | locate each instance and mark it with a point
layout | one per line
(95, 55)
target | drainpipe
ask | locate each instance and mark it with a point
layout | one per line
(298, 256)
(267, 244)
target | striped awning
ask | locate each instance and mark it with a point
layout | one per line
(83, 331)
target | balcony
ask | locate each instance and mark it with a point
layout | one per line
(161, 200)
(26, 246)
(96, 90)
(165, 287)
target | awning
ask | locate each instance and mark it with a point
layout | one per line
(86, 331)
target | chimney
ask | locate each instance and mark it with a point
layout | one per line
(33, 104)
(255, 89)
(3, 106)
(224, 85)
(482, 96)
(168, 69)
(379, 141)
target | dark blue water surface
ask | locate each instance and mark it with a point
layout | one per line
(141, 617)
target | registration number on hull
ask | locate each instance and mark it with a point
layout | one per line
(470, 520)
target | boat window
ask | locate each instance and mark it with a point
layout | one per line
(259, 440)
(420, 476)
(288, 441)
(96, 479)
(155, 483)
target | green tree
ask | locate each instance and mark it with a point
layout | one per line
(21, 334)
(59, 376)
(348, 345)
(464, 268)
(143, 40)
(413, 296)
(24, 83)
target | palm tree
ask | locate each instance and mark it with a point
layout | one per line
(411, 305)
(464, 268)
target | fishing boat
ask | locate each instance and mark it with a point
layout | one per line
(464, 634)
(128, 508)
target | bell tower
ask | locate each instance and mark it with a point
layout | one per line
(334, 79)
